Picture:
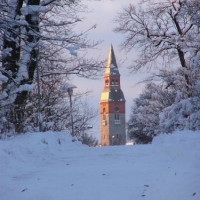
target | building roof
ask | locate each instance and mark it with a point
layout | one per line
(112, 68)
(112, 95)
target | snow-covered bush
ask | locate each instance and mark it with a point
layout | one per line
(144, 121)
(88, 140)
(180, 116)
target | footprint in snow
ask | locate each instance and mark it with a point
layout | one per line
(24, 189)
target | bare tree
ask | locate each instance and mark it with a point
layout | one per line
(56, 111)
(167, 30)
(184, 112)
(159, 30)
(193, 9)
(37, 33)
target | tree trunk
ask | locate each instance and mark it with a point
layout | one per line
(184, 65)
(11, 41)
(32, 39)
(19, 71)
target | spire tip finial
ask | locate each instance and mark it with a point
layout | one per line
(111, 46)
(111, 68)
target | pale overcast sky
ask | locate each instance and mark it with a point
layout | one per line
(103, 14)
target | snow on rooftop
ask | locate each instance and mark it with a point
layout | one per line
(49, 166)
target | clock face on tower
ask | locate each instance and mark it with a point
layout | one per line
(112, 106)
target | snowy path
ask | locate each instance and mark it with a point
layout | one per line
(31, 169)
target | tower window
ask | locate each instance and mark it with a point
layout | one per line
(116, 82)
(116, 109)
(106, 82)
(112, 82)
(116, 116)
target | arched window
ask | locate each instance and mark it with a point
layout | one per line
(112, 82)
(117, 109)
(116, 82)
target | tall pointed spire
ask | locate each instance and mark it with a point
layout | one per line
(112, 106)
(111, 68)
(111, 57)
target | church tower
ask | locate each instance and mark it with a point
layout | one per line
(112, 106)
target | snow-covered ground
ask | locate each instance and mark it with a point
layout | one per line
(48, 166)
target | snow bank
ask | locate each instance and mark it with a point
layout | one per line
(179, 145)
(38, 146)
(49, 166)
